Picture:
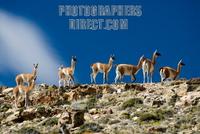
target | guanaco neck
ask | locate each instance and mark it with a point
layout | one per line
(73, 65)
(110, 63)
(178, 69)
(139, 65)
(34, 72)
(153, 59)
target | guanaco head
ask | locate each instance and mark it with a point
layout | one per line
(141, 60)
(181, 63)
(156, 54)
(35, 66)
(112, 58)
(74, 59)
(61, 67)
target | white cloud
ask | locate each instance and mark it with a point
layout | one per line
(22, 44)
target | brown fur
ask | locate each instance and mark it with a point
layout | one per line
(101, 67)
(127, 69)
(67, 74)
(148, 66)
(26, 91)
(170, 72)
(21, 78)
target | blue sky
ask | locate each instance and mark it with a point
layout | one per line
(171, 26)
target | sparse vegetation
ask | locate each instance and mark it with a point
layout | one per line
(4, 107)
(90, 127)
(91, 102)
(51, 121)
(133, 102)
(28, 130)
(149, 116)
(131, 111)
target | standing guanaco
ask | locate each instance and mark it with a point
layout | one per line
(66, 73)
(102, 68)
(26, 89)
(127, 69)
(27, 78)
(148, 67)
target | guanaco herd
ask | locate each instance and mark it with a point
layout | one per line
(66, 74)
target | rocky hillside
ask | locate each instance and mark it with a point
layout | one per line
(170, 107)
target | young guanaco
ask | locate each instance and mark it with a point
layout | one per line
(26, 89)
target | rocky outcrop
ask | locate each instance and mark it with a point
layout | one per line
(171, 107)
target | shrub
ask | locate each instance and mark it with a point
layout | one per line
(28, 130)
(155, 115)
(91, 102)
(148, 117)
(91, 127)
(132, 102)
(51, 122)
(4, 107)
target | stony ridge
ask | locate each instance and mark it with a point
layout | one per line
(171, 107)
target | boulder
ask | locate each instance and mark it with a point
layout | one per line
(72, 95)
(65, 118)
(7, 90)
(88, 91)
(193, 84)
(28, 114)
(192, 98)
(154, 100)
(93, 111)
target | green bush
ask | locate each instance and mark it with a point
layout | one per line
(155, 115)
(91, 127)
(28, 130)
(91, 102)
(51, 122)
(4, 107)
(149, 117)
(133, 102)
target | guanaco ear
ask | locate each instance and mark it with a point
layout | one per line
(180, 61)
(74, 58)
(61, 67)
(112, 55)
